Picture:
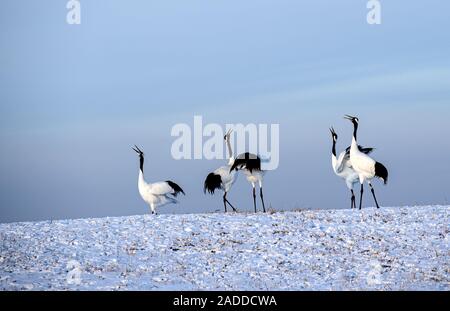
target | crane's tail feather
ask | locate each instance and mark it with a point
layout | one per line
(176, 189)
(212, 182)
(381, 172)
(247, 161)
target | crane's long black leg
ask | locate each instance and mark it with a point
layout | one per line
(234, 209)
(360, 199)
(353, 203)
(254, 198)
(373, 193)
(262, 199)
(225, 201)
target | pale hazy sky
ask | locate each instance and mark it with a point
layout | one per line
(74, 99)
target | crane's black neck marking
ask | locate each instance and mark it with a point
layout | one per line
(141, 164)
(333, 150)
(355, 129)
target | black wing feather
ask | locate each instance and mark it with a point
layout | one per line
(362, 149)
(247, 161)
(212, 182)
(177, 189)
(381, 172)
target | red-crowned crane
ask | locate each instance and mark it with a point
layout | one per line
(342, 165)
(222, 178)
(366, 167)
(159, 193)
(250, 164)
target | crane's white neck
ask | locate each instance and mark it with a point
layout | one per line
(141, 181)
(354, 146)
(231, 161)
(230, 153)
(230, 150)
(333, 162)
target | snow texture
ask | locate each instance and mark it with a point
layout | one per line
(388, 249)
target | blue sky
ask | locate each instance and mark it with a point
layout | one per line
(73, 99)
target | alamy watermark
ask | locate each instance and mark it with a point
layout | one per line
(74, 272)
(73, 16)
(375, 274)
(374, 14)
(206, 141)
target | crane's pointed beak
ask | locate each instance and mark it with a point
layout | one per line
(348, 117)
(228, 134)
(137, 150)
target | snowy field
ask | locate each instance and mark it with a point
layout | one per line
(390, 249)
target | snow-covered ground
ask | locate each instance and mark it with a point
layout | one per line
(390, 249)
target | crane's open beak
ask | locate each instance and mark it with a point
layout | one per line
(137, 150)
(228, 133)
(332, 131)
(348, 117)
